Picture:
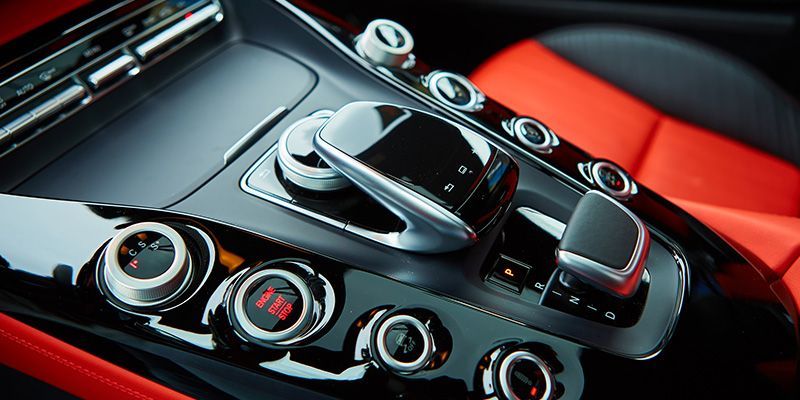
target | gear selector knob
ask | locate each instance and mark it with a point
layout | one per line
(604, 245)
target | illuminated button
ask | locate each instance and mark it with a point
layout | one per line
(146, 264)
(404, 344)
(523, 375)
(509, 274)
(274, 306)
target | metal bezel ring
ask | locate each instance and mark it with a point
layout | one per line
(510, 360)
(391, 362)
(476, 96)
(133, 291)
(254, 331)
(548, 134)
(307, 177)
(627, 189)
(375, 50)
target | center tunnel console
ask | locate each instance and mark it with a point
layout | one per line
(305, 209)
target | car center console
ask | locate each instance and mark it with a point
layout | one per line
(253, 199)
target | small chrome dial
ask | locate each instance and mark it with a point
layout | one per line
(385, 43)
(146, 264)
(300, 163)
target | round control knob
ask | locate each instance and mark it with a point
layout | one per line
(299, 162)
(455, 90)
(404, 344)
(385, 42)
(147, 264)
(612, 179)
(277, 306)
(533, 134)
(523, 375)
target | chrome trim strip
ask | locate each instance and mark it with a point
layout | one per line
(122, 64)
(248, 138)
(552, 226)
(176, 31)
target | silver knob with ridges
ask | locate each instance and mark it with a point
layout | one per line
(146, 264)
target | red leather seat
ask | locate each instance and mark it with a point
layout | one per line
(688, 121)
(670, 155)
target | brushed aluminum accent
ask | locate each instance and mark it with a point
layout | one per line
(147, 292)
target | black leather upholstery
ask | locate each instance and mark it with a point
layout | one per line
(687, 80)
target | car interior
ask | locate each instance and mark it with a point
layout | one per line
(258, 199)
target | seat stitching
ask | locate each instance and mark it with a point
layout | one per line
(648, 144)
(61, 360)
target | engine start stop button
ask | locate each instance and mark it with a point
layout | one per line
(272, 305)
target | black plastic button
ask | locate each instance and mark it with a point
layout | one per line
(273, 304)
(146, 255)
(509, 273)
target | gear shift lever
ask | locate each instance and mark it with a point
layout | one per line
(604, 245)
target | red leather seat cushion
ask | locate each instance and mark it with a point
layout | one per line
(73, 370)
(669, 155)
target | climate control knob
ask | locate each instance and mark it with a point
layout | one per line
(146, 264)
(280, 303)
(386, 43)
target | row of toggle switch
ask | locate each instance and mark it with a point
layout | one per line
(82, 83)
